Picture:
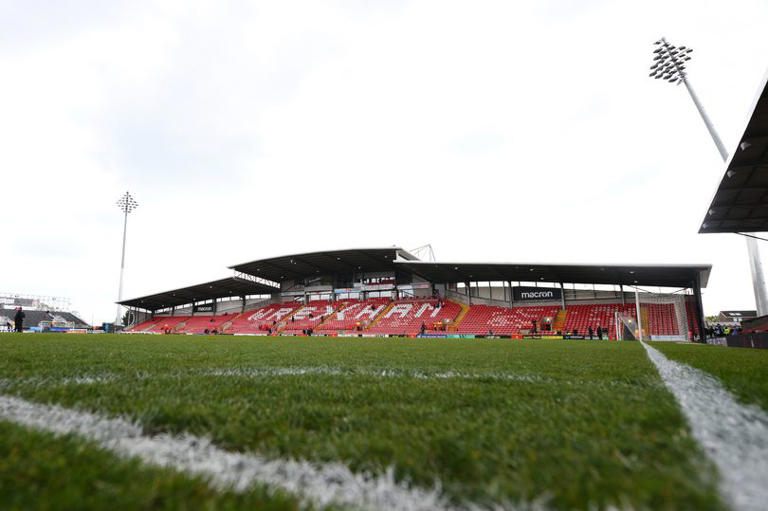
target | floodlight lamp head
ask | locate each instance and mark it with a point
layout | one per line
(127, 203)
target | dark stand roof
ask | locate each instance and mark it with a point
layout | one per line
(741, 201)
(739, 314)
(641, 275)
(300, 266)
(231, 286)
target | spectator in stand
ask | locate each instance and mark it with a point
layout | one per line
(18, 319)
(533, 322)
(599, 332)
(589, 332)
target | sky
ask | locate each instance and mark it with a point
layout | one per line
(495, 131)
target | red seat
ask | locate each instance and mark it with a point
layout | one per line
(484, 319)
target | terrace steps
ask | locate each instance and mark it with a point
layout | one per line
(463, 312)
(559, 323)
(380, 315)
(228, 324)
(646, 324)
(338, 305)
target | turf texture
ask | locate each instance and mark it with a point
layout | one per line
(569, 424)
(743, 371)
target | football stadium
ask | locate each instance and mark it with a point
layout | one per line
(382, 378)
(387, 292)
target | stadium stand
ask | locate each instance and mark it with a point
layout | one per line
(662, 319)
(364, 290)
(353, 315)
(68, 316)
(405, 317)
(484, 319)
(260, 320)
(145, 326)
(582, 317)
(308, 316)
(199, 324)
(167, 322)
(34, 318)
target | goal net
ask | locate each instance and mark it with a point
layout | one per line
(663, 317)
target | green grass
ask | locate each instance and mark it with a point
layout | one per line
(38, 471)
(743, 371)
(584, 425)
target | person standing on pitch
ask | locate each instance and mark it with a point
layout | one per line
(18, 319)
(589, 331)
(599, 332)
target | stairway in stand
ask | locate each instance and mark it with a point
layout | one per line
(381, 315)
(646, 325)
(559, 323)
(456, 322)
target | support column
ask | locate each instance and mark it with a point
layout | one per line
(699, 308)
(621, 290)
(639, 316)
(215, 306)
(562, 295)
(469, 293)
(511, 296)
(242, 309)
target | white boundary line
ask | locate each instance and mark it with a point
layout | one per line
(256, 372)
(734, 436)
(318, 484)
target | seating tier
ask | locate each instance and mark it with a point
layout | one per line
(486, 319)
(406, 317)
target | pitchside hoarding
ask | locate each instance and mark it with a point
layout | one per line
(521, 293)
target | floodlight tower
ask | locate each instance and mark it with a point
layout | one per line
(669, 64)
(126, 205)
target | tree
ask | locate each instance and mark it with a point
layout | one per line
(127, 318)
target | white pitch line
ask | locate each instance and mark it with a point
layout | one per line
(45, 381)
(318, 484)
(734, 436)
(255, 372)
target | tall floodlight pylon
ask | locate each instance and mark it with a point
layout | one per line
(669, 63)
(126, 205)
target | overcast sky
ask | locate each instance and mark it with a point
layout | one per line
(496, 131)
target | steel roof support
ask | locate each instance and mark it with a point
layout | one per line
(699, 309)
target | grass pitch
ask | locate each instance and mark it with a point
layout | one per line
(743, 371)
(569, 424)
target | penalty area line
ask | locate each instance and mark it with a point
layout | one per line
(318, 484)
(734, 436)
